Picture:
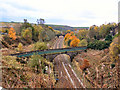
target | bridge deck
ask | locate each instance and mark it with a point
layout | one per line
(50, 51)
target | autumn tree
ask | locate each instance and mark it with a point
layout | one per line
(67, 36)
(105, 30)
(68, 31)
(72, 33)
(91, 32)
(27, 33)
(74, 42)
(75, 29)
(12, 33)
(71, 40)
(114, 49)
(82, 34)
(50, 28)
(37, 32)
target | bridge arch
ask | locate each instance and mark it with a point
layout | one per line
(60, 56)
(51, 57)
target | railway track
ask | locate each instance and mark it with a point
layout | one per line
(66, 74)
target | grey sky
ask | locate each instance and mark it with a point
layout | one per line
(66, 12)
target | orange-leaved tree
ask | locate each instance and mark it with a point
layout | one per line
(67, 36)
(74, 42)
(75, 29)
(72, 33)
(12, 33)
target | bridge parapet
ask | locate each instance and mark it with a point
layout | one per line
(52, 53)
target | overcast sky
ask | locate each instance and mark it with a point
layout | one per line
(61, 12)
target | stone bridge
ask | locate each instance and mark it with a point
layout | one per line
(52, 56)
(52, 53)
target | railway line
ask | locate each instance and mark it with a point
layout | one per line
(66, 75)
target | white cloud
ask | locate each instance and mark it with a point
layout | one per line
(71, 12)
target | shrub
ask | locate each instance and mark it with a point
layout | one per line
(35, 61)
(112, 65)
(85, 65)
(99, 45)
(11, 62)
(27, 33)
(114, 50)
(40, 46)
(108, 38)
(20, 47)
(83, 43)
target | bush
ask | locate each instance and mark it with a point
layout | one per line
(35, 61)
(85, 65)
(112, 65)
(83, 43)
(114, 49)
(20, 47)
(108, 38)
(11, 62)
(39, 63)
(99, 45)
(40, 46)
(27, 33)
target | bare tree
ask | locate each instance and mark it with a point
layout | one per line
(25, 20)
(40, 21)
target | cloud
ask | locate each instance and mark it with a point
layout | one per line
(69, 12)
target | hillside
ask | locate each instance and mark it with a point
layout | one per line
(100, 74)
(65, 27)
(55, 27)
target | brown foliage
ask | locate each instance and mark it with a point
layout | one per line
(85, 65)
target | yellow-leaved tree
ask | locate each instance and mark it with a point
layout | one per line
(114, 49)
(12, 33)
(20, 47)
(27, 34)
